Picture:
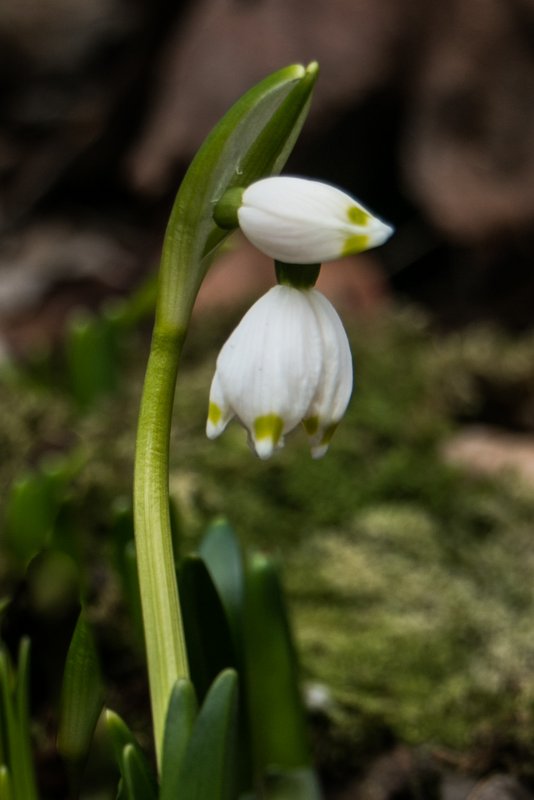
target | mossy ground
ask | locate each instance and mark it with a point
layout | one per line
(411, 582)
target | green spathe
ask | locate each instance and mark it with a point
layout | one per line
(253, 140)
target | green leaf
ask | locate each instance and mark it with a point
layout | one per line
(136, 307)
(208, 767)
(221, 551)
(6, 708)
(125, 562)
(81, 695)
(6, 788)
(122, 738)
(53, 582)
(15, 723)
(90, 352)
(29, 515)
(299, 784)
(252, 140)
(23, 748)
(131, 590)
(276, 716)
(121, 791)
(138, 784)
(207, 634)
(181, 716)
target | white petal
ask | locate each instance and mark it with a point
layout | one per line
(219, 412)
(269, 368)
(335, 385)
(303, 221)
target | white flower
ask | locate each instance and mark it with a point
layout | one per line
(300, 221)
(288, 361)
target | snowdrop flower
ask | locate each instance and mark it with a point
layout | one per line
(287, 362)
(301, 221)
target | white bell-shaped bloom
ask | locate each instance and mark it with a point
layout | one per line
(300, 221)
(288, 361)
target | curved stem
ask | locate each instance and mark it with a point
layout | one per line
(165, 646)
(252, 140)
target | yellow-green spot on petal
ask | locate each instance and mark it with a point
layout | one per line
(358, 216)
(355, 244)
(214, 414)
(269, 426)
(311, 425)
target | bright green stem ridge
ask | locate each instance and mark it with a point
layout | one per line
(166, 654)
(251, 141)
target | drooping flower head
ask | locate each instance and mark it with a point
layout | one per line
(288, 361)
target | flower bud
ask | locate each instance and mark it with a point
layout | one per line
(300, 221)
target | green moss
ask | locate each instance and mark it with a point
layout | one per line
(425, 639)
(409, 579)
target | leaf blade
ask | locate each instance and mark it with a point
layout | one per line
(207, 633)
(181, 716)
(82, 696)
(212, 745)
(122, 738)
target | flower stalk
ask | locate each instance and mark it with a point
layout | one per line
(162, 621)
(253, 140)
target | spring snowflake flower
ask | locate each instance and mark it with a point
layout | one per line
(287, 362)
(301, 221)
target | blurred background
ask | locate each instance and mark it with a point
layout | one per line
(424, 112)
(422, 521)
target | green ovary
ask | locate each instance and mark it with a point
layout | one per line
(269, 426)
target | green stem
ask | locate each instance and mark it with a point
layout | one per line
(252, 140)
(165, 646)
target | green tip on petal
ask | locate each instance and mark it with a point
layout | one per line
(216, 421)
(319, 449)
(358, 216)
(267, 434)
(355, 244)
(214, 414)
